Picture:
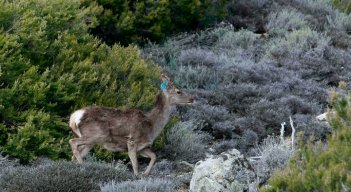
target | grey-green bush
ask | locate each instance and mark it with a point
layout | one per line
(285, 20)
(61, 176)
(274, 155)
(5, 163)
(183, 143)
(248, 87)
(143, 185)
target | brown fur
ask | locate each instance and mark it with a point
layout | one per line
(124, 130)
(116, 125)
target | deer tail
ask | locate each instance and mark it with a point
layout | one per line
(74, 120)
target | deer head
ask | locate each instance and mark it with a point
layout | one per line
(172, 94)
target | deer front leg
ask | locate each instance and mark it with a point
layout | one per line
(148, 153)
(132, 153)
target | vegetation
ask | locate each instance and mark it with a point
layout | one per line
(274, 155)
(249, 64)
(247, 84)
(154, 185)
(61, 176)
(322, 167)
(183, 143)
(50, 66)
(343, 5)
(129, 21)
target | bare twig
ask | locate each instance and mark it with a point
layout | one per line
(282, 132)
(255, 158)
(293, 133)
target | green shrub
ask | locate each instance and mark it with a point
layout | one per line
(50, 66)
(343, 5)
(62, 176)
(321, 167)
(129, 21)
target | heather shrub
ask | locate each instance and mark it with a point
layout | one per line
(50, 66)
(163, 168)
(233, 39)
(224, 146)
(216, 120)
(316, 10)
(340, 21)
(183, 143)
(296, 44)
(314, 6)
(62, 176)
(196, 77)
(5, 163)
(319, 166)
(193, 55)
(274, 155)
(151, 184)
(243, 93)
(284, 21)
(248, 14)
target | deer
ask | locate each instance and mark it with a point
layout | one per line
(128, 130)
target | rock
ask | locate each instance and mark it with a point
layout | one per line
(229, 171)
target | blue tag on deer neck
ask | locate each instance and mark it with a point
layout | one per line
(164, 85)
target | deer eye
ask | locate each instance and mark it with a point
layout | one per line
(178, 92)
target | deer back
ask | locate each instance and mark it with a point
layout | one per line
(114, 124)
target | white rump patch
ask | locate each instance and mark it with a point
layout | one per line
(76, 116)
(74, 121)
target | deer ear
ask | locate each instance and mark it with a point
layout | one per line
(164, 77)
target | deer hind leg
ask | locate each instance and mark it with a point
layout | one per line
(132, 153)
(85, 150)
(76, 153)
(82, 151)
(80, 148)
(148, 153)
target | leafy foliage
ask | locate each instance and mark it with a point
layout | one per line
(128, 21)
(61, 176)
(318, 166)
(342, 5)
(51, 65)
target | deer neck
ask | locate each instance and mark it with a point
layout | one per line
(159, 115)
